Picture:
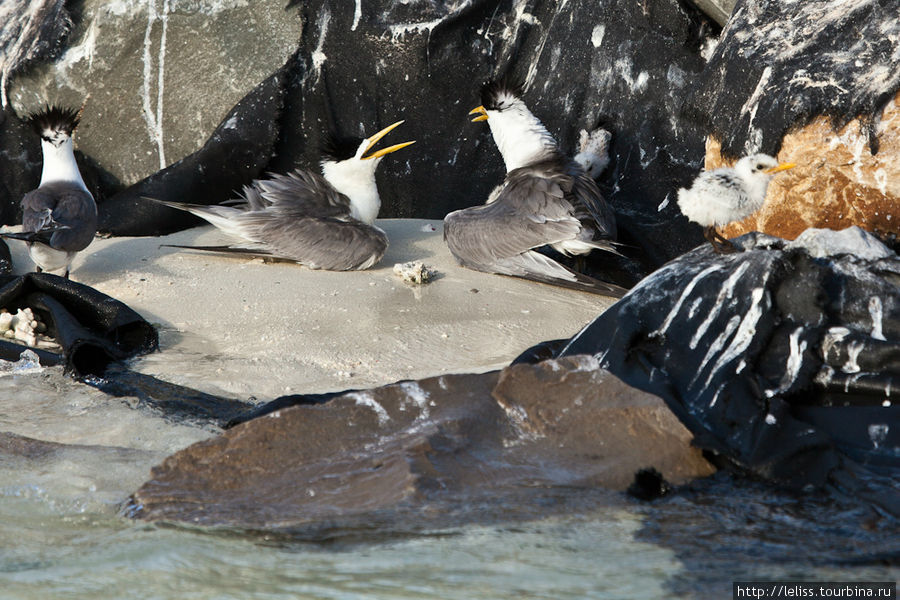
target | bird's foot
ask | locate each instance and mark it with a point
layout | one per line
(720, 244)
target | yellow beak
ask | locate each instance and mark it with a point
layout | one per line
(781, 167)
(482, 114)
(377, 137)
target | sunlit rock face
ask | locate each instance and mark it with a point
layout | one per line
(814, 83)
(838, 181)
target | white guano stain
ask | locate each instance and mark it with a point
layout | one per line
(597, 35)
(716, 345)
(318, 55)
(853, 351)
(833, 336)
(876, 311)
(878, 433)
(726, 291)
(154, 120)
(752, 102)
(744, 335)
(418, 396)
(794, 362)
(399, 30)
(367, 400)
(357, 15)
(684, 295)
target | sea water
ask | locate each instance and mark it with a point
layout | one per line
(63, 533)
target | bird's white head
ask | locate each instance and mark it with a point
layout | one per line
(56, 126)
(349, 165)
(757, 170)
(520, 136)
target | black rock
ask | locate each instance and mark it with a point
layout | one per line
(779, 359)
(92, 329)
(649, 484)
(628, 66)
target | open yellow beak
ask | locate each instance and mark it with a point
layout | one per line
(482, 114)
(377, 137)
(779, 168)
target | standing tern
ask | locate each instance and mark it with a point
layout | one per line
(546, 199)
(320, 221)
(59, 218)
(729, 194)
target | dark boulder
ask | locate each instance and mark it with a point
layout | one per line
(779, 359)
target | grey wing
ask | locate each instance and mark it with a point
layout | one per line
(299, 193)
(325, 243)
(528, 213)
(68, 211)
(590, 206)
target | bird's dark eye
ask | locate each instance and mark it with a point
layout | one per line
(760, 167)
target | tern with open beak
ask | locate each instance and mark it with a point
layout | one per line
(729, 194)
(59, 218)
(546, 199)
(320, 221)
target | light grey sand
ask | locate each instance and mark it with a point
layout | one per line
(242, 328)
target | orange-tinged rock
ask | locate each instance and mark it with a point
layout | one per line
(837, 183)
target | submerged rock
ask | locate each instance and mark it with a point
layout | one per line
(375, 455)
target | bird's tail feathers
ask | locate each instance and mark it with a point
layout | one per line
(537, 267)
(250, 252)
(223, 217)
(42, 235)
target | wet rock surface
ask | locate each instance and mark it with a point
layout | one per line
(753, 532)
(780, 359)
(398, 452)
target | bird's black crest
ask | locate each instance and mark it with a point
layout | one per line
(337, 147)
(493, 93)
(54, 118)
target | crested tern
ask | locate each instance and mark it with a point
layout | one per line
(321, 221)
(546, 199)
(727, 194)
(59, 218)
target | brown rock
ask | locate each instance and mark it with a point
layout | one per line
(837, 183)
(580, 414)
(407, 448)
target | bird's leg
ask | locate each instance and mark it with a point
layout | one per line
(727, 245)
(66, 276)
(37, 269)
(719, 243)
